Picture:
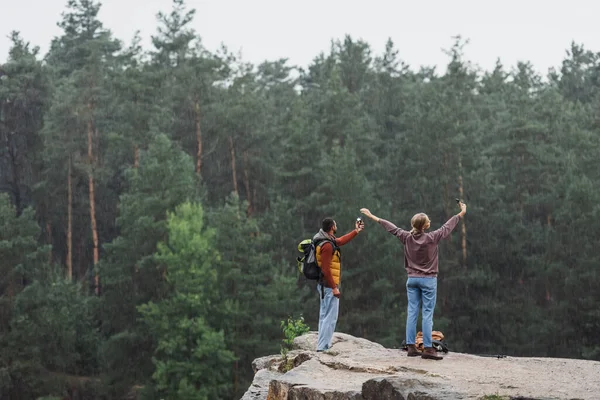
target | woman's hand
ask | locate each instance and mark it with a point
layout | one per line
(367, 213)
(463, 209)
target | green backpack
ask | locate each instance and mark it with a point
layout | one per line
(307, 263)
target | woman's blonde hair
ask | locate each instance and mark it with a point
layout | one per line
(418, 222)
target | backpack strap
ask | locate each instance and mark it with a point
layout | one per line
(333, 244)
(335, 248)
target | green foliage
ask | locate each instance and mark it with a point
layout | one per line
(49, 330)
(22, 257)
(53, 336)
(64, 309)
(130, 273)
(191, 360)
(23, 97)
(255, 292)
(292, 328)
(191, 294)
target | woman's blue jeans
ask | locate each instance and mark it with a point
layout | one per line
(420, 292)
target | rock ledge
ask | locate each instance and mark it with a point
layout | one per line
(357, 369)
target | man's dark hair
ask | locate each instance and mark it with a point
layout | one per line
(327, 224)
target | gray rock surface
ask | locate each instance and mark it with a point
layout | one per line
(357, 369)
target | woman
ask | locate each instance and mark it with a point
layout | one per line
(421, 263)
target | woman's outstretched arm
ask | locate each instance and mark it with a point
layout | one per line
(387, 225)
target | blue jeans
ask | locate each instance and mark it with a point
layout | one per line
(328, 315)
(420, 291)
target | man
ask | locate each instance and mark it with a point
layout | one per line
(329, 259)
(421, 264)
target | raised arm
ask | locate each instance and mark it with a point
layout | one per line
(350, 235)
(368, 214)
(449, 226)
(387, 225)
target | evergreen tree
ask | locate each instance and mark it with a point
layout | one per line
(164, 179)
(47, 327)
(188, 76)
(23, 96)
(254, 293)
(80, 60)
(191, 361)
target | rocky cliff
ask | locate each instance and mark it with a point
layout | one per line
(357, 369)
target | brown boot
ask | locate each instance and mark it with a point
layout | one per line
(431, 354)
(413, 351)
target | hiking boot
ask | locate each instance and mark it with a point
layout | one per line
(430, 354)
(413, 351)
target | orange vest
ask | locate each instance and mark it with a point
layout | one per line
(336, 264)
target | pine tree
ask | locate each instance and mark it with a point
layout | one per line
(47, 327)
(164, 179)
(191, 360)
(23, 96)
(255, 289)
(187, 74)
(80, 60)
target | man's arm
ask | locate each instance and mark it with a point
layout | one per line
(358, 226)
(326, 256)
(342, 240)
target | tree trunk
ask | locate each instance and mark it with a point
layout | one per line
(448, 204)
(49, 240)
(16, 188)
(93, 221)
(236, 368)
(136, 156)
(235, 335)
(249, 196)
(463, 225)
(92, 198)
(233, 171)
(70, 223)
(97, 160)
(198, 137)
(81, 258)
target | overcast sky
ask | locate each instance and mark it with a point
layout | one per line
(527, 30)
